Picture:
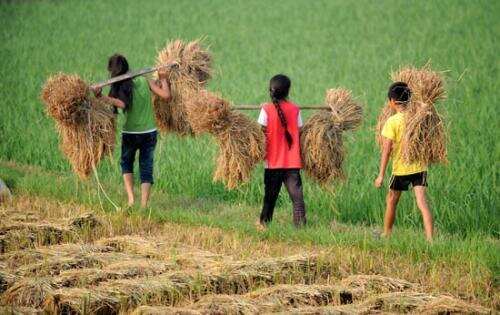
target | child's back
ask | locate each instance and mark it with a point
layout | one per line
(281, 121)
(393, 130)
(278, 153)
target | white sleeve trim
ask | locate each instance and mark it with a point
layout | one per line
(262, 120)
(299, 120)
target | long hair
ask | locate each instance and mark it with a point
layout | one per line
(118, 65)
(279, 86)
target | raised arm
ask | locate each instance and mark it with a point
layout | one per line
(384, 160)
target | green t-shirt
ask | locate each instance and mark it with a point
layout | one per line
(140, 117)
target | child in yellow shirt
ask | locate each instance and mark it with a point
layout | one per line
(403, 174)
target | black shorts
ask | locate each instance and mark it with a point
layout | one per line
(402, 182)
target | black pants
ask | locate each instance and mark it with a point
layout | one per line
(273, 178)
(145, 143)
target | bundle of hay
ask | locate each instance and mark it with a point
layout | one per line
(321, 137)
(424, 138)
(192, 71)
(86, 125)
(240, 139)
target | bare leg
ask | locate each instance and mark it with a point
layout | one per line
(128, 179)
(145, 192)
(424, 209)
(390, 211)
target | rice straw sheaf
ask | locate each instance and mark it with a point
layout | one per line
(424, 138)
(241, 140)
(321, 137)
(241, 148)
(207, 112)
(86, 125)
(28, 292)
(193, 69)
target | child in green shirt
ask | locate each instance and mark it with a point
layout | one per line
(139, 131)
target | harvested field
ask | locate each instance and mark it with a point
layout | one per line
(155, 271)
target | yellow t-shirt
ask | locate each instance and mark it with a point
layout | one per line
(393, 129)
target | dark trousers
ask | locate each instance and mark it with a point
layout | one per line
(273, 178)
(145, 143)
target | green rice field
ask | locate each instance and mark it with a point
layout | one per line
(319, 44)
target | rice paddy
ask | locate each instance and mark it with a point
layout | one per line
(51, 259)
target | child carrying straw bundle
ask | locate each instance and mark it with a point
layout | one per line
(404, 173)
(139, 131)
(281, 121)
(192, 72)
(321, 137)
(411, 130)
(86, 125)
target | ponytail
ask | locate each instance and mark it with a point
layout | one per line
(278, 90)
(281, 115)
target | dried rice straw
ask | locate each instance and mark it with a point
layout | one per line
(193, 71)
(86, 125)
(240, 139)
(424, 139)
(321, 137)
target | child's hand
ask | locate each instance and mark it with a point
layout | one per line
(97, 91)
(378, 182)
(162, 73)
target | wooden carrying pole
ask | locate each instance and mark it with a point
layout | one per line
(255, 107)
(131, 75)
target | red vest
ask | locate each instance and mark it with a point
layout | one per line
(278, 154)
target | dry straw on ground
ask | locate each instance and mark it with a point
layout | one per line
(321, 137)
(424, 138)
(86, 125)
(240, 139)
(192, 70)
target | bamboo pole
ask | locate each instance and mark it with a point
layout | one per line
(257, 107)
(130, 75)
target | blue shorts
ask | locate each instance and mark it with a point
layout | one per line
(145, 143)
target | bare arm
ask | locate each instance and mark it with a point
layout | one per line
(162, 89)
(112, 100)
(384, 160)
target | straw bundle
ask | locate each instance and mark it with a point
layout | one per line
(6, 280)
(370, 284)
(241, 140)
(28, 292)
(417, 303)
(80, 301)
(85, 124)
(193, 70)
(424, 137)
(241, 148)
(14, 235)
(321, 137)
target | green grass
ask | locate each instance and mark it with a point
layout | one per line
(320, 45)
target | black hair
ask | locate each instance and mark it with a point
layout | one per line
(279, 86)
(123, 90)
(400, 92)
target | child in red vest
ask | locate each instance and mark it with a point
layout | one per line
(281, 121)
